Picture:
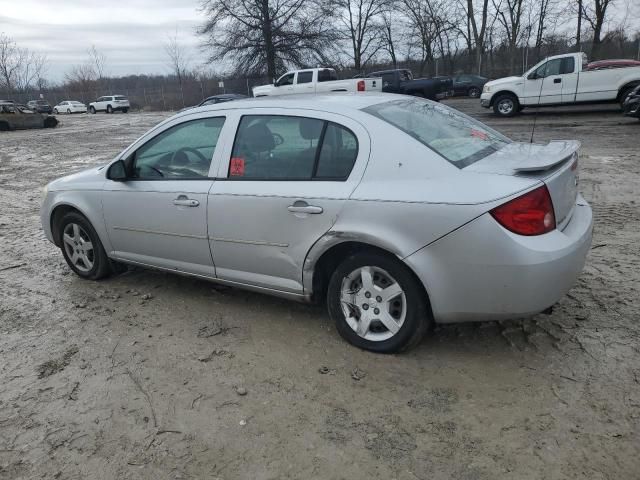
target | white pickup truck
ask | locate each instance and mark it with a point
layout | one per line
(559, 80)
(316, 80)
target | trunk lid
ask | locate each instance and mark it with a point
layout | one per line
(555, 164)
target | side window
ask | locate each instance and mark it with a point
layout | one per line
(326, 75)
(338, 153)
(275, 147)
(286, 80)
(182, 152)
(305, 77)
(552, 67)
(568, 65)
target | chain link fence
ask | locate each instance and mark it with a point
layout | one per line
(167, 96)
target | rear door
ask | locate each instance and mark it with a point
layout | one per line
(280, 187)
(158, 216)
(304, 82)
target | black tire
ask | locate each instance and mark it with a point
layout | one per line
(125, 110)
(501, 102)
(55, 110)
(109, 109)
(101, 264)
(474, 92)
(624, 94)
(68, 111)
(50, 122)
(92, 109)
(418, 313)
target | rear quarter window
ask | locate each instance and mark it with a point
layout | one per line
(457, 138)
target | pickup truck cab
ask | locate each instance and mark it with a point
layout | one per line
(316, 80)
(559, 80)
(401, 81)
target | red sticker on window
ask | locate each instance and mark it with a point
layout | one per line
(479, 134)
(236, 168)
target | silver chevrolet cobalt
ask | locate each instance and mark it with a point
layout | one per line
(397, 211)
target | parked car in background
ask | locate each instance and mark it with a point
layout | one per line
(396, 211)
(17, 117)
(559, 80)
(215, 99)
(40, 106)
(469, 85)
(631, 106)
(401, 81)
(316, 80)
(606, 64)
(110, 104)
(70, 106)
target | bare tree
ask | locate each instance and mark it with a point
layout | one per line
(477, 29)
(509, 15)
(20, 68)
(265, 36)
(595, 15)
(361, 28)
(98, 60)
(82, 76)
(178, 58)
(388, 29)
(426, 20)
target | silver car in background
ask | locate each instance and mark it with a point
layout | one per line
(397, 211)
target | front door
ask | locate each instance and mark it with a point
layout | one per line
(281, 188)
(158, 216)
(551, 82)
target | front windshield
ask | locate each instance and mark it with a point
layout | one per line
(458, 138)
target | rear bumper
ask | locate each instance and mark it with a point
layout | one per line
(483, 272)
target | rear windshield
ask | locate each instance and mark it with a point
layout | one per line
(119, 97)
(460, 139)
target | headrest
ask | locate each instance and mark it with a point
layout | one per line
(310, 129)
(258, 138)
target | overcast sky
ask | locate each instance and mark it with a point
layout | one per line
(131, 33)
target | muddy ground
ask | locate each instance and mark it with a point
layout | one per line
(139, 376)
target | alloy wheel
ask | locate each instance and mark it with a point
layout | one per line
(506, 106)
(373, 303)
(78, 246)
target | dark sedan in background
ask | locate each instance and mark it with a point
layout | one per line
(40, 106)
(467, 84)
(631, 105)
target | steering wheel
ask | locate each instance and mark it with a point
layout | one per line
(277, 139)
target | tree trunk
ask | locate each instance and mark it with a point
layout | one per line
(578, 46)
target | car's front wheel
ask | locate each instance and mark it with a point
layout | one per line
(68, 111)
(377, 303)
(506, 105)
(55, 110)
(92, 109)
(82, 248)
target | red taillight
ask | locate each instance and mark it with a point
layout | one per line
(361, 85)
(530, 214)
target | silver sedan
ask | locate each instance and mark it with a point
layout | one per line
(397, 211)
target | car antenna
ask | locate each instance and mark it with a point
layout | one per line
(535, 117)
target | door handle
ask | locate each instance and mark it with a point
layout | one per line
(304, 207)
(557, 80)
(184, 201)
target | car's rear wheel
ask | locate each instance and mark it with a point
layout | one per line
(68, 111)
(82, 248)
(506, 105)
(109, 109)
(92, 109)
(474, 92)
(55, 110)
(377, 303)
(125, 110)
(624, 94)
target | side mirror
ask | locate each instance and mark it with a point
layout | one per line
(117, 172)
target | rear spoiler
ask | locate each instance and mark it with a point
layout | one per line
(554, 153)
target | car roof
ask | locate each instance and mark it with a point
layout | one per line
(335, 102)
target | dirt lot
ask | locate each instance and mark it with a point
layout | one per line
(140, 376)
